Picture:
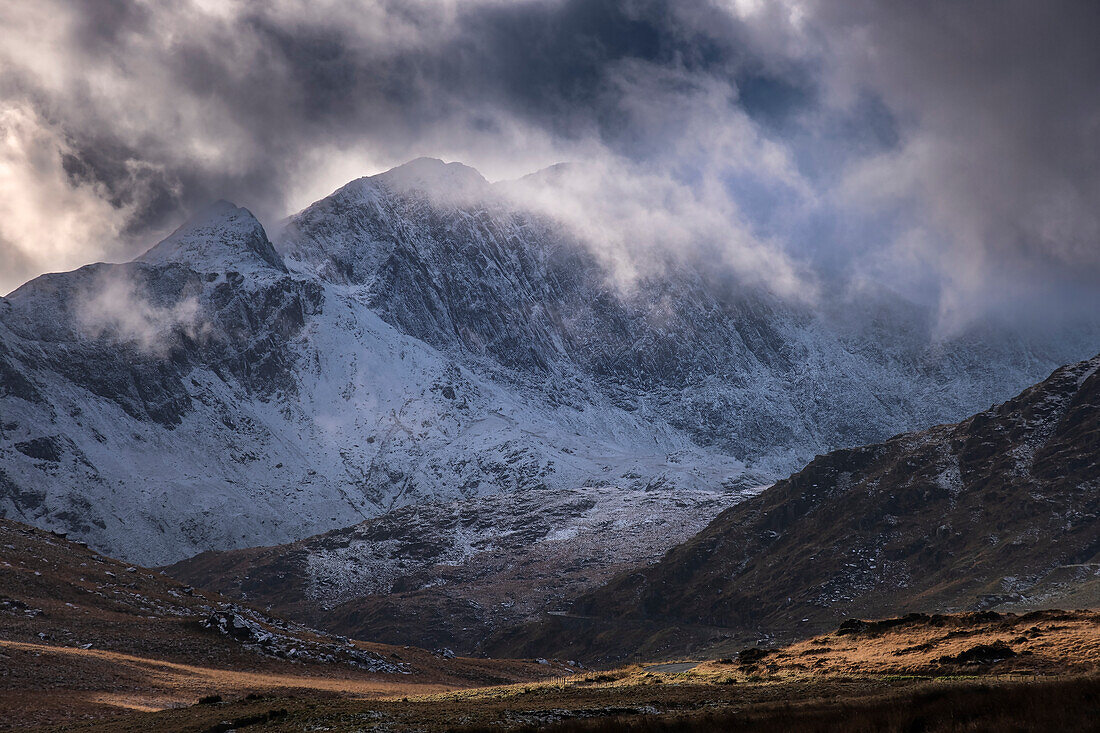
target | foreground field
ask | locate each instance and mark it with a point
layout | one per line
(970, 672)
(49, 685)
(640, 703)
(84, 637)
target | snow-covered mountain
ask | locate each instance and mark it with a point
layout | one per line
(997, 512)
(415, 336)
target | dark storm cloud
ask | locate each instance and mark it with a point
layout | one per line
(155, 109)
(1000, 122)
(947, 147)
(288, 83)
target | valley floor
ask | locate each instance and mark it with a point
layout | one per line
(644, 702)
(50, 685)
(969, 672)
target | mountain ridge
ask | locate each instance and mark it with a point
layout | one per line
(418, 349)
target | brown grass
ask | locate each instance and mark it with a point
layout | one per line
(149, 651)
(73, 684)
(1042, 642)
(1068, 706)
(823, 704)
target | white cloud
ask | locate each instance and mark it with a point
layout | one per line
(991, 169)
(116, 307)
(46, 222)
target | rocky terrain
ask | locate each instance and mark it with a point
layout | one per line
(419, 337)
(84, 636)
(996, 512)
(450, 575)
(93, 644)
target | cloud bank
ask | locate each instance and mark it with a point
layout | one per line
(949, 150)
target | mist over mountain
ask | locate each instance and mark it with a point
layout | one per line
(423, 335)
(945, 152)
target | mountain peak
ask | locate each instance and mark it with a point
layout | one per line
(220, 236)
(434, 177)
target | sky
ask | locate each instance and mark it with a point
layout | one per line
(948, 150)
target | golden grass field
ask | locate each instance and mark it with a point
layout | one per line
(891, 666)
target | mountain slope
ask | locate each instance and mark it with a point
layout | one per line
(233, 404)
(766, 380)
(449, 575)
(998, 511)
(417, 336)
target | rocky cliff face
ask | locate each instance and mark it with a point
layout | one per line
(770, 382)
(132, 395)
(417, 337)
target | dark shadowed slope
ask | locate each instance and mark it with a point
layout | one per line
(998, 511)
(451, 574)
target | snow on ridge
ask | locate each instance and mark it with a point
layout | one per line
(352, 383)
(434, 177)
(379, 420)
(220, 237)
